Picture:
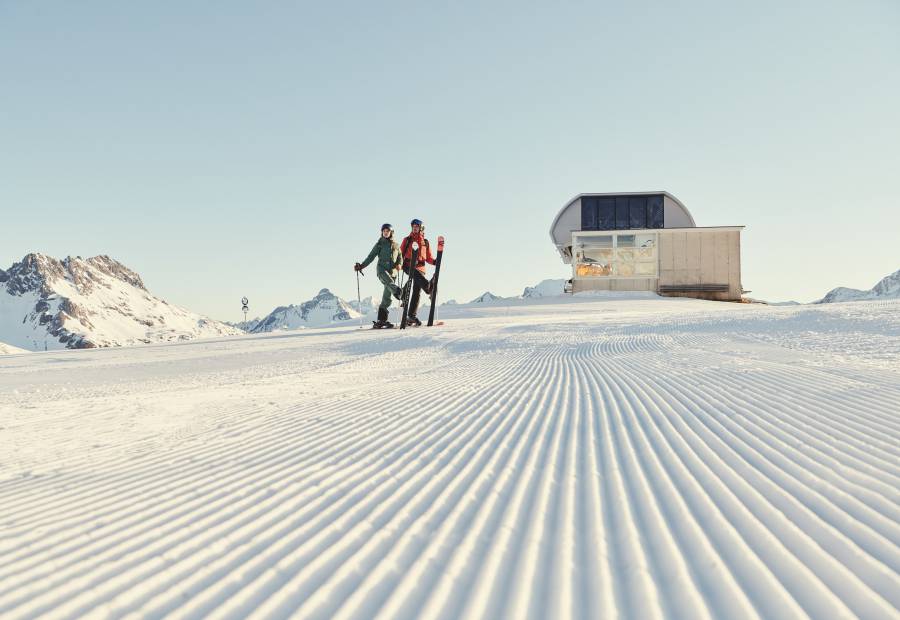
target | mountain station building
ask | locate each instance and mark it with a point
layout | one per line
(646, 241)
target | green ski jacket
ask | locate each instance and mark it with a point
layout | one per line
(388, 254)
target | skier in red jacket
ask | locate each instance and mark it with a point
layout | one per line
(416, 272)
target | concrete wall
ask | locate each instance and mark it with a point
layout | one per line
(701, 256)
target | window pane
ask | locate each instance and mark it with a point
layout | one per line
(597, 255)
(655, 212)
(622, 212)
(625, 269)
(645, 269)
(625, 241)
(588, 213)
(593, 270)
(601, 241)
(637, 212)
(606, 213)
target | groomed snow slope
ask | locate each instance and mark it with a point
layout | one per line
(582, 458)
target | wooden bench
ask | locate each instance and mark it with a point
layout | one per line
(693, 288)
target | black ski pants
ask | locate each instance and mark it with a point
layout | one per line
(419, 283)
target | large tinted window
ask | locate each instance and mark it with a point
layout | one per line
(621, 212)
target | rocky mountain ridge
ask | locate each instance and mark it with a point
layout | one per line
(324, 309)
(83, 303)
(887, 288)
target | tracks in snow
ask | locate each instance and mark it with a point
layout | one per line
(564, 473)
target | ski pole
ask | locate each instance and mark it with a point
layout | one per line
(358, 300)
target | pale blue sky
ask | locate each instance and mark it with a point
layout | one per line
(230, 148)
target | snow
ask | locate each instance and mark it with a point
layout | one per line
(887, 288)
(365, 307)
(545, 288)
(6, 349)
(583, 457)
(245, 326)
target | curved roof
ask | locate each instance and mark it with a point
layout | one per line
(672, 202)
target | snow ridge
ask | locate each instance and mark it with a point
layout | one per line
(887, 288)
(545, 288)
(6, 349)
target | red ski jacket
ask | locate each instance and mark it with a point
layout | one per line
(424, 251)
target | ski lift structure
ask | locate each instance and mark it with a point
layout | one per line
(646, 241)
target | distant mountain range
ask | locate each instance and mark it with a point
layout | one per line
(79, 303)
(245, 326)
(545, 288)
(324, 309)
(74, 303)
(887, 288)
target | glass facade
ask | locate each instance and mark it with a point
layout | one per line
(615, 255)
(622, 212)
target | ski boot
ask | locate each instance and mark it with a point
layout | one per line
(413, 321)
(382, 322)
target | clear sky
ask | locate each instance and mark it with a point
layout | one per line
(228, 148)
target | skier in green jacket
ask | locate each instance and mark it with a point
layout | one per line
(389, 259)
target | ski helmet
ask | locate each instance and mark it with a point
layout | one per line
(388, 226)
(415, 222)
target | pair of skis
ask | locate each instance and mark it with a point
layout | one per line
(434, 284)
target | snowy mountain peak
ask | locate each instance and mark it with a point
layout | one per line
(75, 303)
(326, 308)
(39, 273)
(887, 288)
(484, 298)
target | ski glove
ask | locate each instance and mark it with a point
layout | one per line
(357, 267)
